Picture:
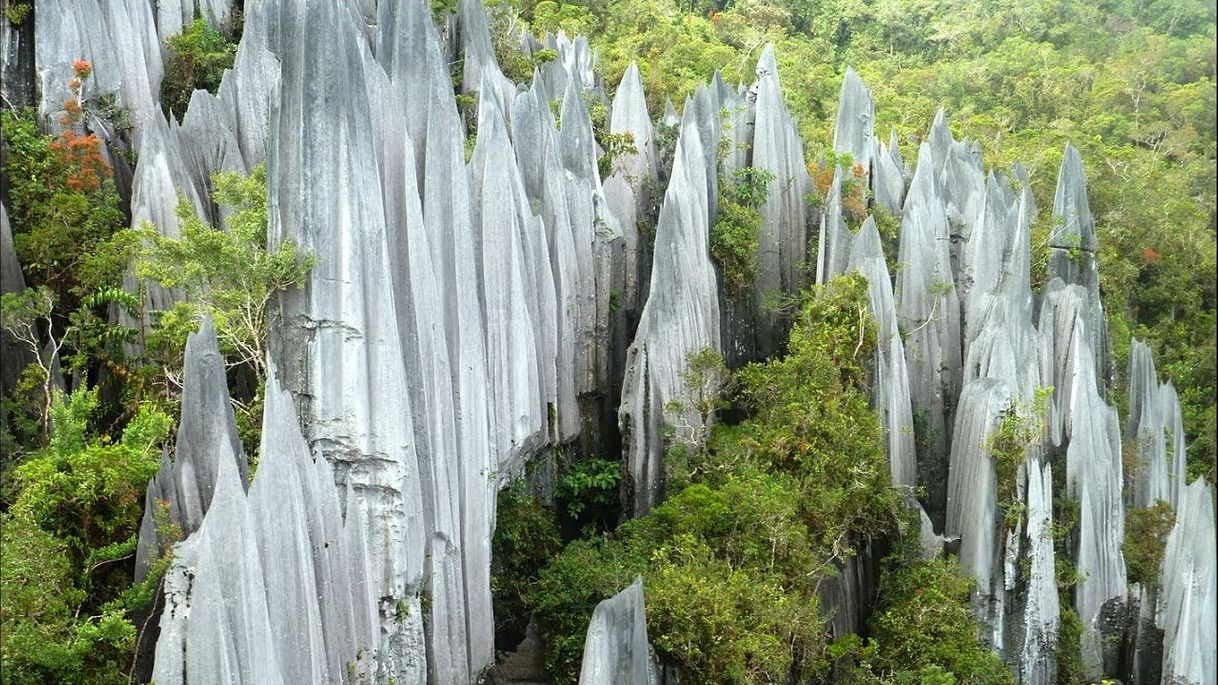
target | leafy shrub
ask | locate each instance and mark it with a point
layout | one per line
(733, 239)
(590, 488)
(525, 537)
(925, 619)
(1146, 531)
(197, 60)
(68, 537)
(62, 197)
(231, 275)
(731, 563)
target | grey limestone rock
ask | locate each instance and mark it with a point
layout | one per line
(854, 131)
(1155, 429)
(17, 70)
(1072, 254)
(783, 238)
(890, 389)
(629, 116)
(216, 627)
(340, 332)
(928, 313)
(14, 355)
(833, 246)
(973, 513)
(1190, 590)
(1093, 466)
(319, 601)
(481, 72)
(887, 176)
(207, 434)
(670, 116)
(1041, 610)
(517, 412)
(616, 651)
(680, 318)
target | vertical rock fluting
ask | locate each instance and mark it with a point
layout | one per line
(1072, 255)
(616, 651)
(680, 318)
(1155, 430)
(890, 388)
(458, 317)
(783, 238)
(14, 355)
(185, 485)
(267, 587)
(1190, 591)
(928, 312)
(1090, 431)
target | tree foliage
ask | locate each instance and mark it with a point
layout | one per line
(69, 533)
(732, 562)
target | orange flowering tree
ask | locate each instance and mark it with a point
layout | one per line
(66, 220)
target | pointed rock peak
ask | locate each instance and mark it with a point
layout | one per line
(852, 82)
(924, 175)
(670, 113)
(854, 130)
(867, 241)
(940, 138)
(1073, 223)
(632, 75)
(207, 422)
(630, 90)
(767, 64)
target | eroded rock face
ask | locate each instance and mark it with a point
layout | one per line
(854, 132)
(1155, 428)
(207, 432)
(1072, 255)
(680, 318)
(890, 389)
(15, 355)
(461, 318)
(928, 313)
(616, 650)
(1189, 591)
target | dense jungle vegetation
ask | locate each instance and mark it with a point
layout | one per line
(758, 509)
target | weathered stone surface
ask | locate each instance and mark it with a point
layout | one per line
(17, 70)
(783, 238)
(833, 245)
(887, 176)
(928, 313)
(972, 499)
(207, 433)
(1072, 255)
(680, 318)
(1155, 429)
(216, 627)
(481, 72)
(319, 601)
(118, 39)
(616, 651)
(890, 388)
(340, 332)
(854, 131)
(629, 116)
(1093, 466)
(14, 355)
(1190, 591)
(1041, 609)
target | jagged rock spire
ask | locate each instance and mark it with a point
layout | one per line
(616, 651)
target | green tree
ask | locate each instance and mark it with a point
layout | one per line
(232, 275)
(69, 537)
(196, 60)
